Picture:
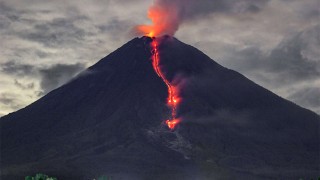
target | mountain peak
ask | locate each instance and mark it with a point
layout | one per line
(111, 121)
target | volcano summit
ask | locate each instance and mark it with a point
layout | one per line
(110, 120)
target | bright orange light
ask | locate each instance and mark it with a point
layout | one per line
(164, 18)
(153, 30)
(172, 123)
(173, 99)
(150, 34)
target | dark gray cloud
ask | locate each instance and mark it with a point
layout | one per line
(51, 77)
(289, 56)
(42, 54)
(294, 59)
(17, 69)
(9, 12)
(115, 26)
(205, 7)
(57, 75)
(310, 10)
(190, 9)
(59, 31)
(291, 69)
(10, 15)
(23, 86)
(6, 16)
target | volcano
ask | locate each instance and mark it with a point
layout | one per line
(110, 120)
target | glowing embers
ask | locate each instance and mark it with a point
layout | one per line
(150, 34)
(173, 99)
(172, 123)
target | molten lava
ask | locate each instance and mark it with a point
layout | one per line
(173, 99)
(165, 20)
(172, 123)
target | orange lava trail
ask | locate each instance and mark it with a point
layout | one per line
(172, 99)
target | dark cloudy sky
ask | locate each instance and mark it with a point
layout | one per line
(44, 43)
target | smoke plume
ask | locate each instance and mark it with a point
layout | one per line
(167, 15)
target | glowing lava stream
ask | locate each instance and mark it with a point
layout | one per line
(172, 100)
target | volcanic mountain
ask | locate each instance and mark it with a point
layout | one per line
(110, 120)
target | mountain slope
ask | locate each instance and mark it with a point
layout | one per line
(109, 120)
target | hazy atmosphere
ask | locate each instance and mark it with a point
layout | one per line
(44, 44)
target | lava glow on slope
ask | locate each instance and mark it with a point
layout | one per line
(173, 99)
(165, 20)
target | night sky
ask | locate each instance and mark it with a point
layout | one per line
(44, 43)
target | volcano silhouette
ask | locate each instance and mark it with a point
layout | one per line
(109, 120)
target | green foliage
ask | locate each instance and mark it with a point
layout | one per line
(28, 178)
(40, 176)
(103, 178)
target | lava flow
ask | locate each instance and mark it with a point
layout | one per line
(165, 19)
(173, 99)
